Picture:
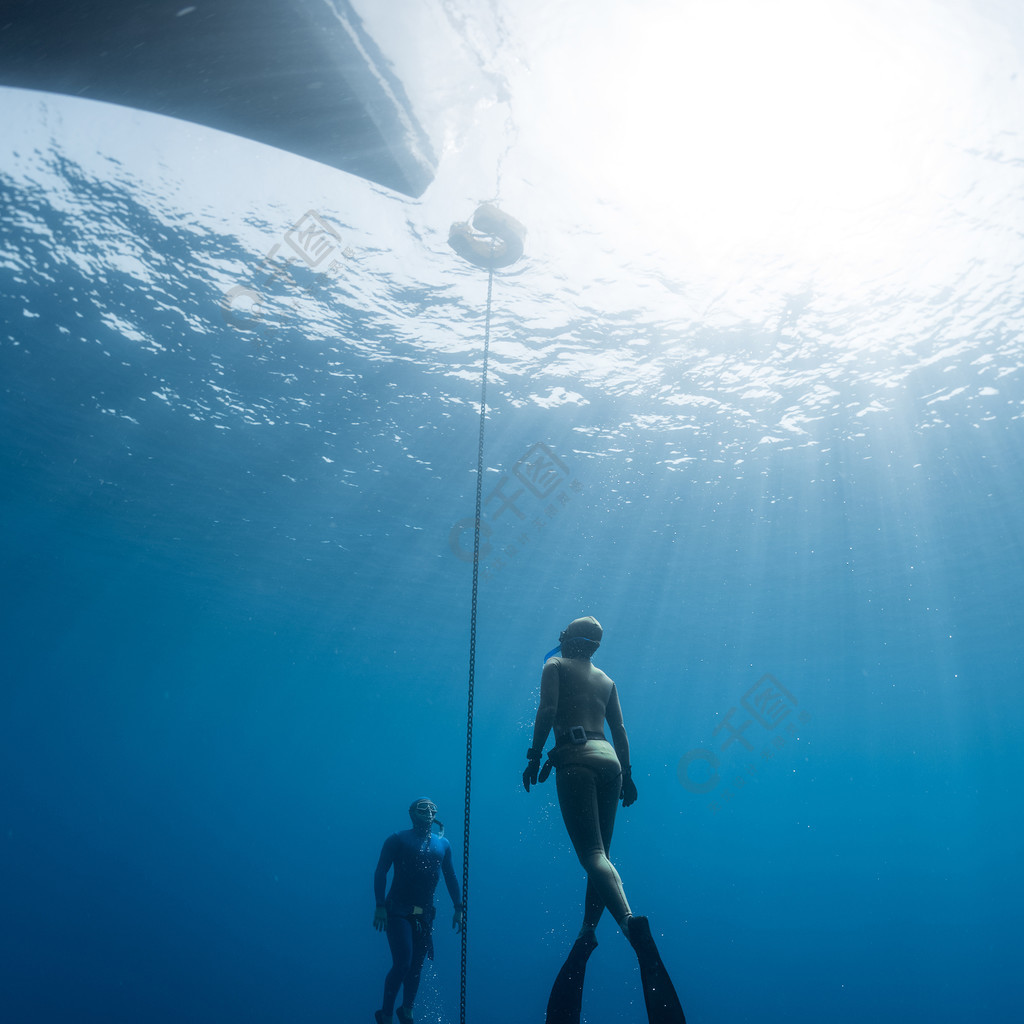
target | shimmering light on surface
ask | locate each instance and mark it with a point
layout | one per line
(748, 224)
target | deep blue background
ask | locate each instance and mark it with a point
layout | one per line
(229, 665)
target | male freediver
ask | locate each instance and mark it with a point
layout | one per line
(407, 914)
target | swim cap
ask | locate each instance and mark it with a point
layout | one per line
(582, 636)
(587, 627)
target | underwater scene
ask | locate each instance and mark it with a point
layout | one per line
(740, 289)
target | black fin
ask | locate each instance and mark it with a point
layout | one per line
(566, 997)
(659, 993)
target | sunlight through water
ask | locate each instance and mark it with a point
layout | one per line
(827, 138)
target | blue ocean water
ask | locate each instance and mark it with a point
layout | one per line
(239, 420)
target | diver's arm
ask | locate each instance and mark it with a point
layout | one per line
(380, 878)
(448, 870)
(613, 715)
(384, 864)
(542, 726)
(548, 705)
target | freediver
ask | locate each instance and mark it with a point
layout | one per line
(418, 857)
(591, 776)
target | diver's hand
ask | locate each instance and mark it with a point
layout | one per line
(457, 919)
(532, 768)
(380, 918)
(628, 793)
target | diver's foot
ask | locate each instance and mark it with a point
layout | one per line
(584, 945)
(379, 1017)
(659, 993)
(638, 931)
(587, 932)
(404, 1015)
(566, 1000)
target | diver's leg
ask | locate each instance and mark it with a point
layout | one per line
(609, 788)
(420, 942)
(581, 812)
(577, 797)
(593, 908)
(607, 806)
(400, 941)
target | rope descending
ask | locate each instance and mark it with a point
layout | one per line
(472, 647)
(503, 247)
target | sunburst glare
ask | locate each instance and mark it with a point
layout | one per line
(801, 132)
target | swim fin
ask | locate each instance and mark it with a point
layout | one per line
(566, 997)
(659, 992)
